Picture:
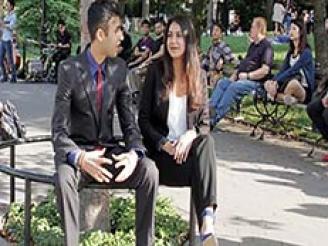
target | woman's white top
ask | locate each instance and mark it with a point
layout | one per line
(177, 116)
(279, 12)
(292, 62)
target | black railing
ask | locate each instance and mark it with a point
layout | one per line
(30, 176)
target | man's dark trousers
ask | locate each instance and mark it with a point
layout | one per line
(319, 115)
(144, 180)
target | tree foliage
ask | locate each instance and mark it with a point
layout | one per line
(29, 17)
(133, 7)
(248, 9)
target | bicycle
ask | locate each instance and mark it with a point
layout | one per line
(41, 69)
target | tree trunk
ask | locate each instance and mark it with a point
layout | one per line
(43, 34)
(210, 14)
(1, 8)
(269, 11)
(321, 36)
(85, 39)
(145, 8)
(224, 13)
(94, 204)
(197, 10)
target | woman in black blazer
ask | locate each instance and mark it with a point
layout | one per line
(174, 122)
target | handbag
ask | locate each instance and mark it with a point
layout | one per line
(10, 125)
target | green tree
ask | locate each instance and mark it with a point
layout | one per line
(248, 9)
(199, 11)
(145, 8)
(29, 17)
(269, 11)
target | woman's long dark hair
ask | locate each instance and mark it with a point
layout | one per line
(191, 62)
(303, 44)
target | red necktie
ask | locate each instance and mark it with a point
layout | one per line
(99, 89)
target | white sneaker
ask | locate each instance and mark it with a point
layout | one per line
(271, 98)
(290, 100)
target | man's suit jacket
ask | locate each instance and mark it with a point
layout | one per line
(76, 123)
(154, 110)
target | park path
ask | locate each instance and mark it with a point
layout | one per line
(269, 194)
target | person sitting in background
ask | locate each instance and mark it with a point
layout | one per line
(173, 120)
(63, 45)
(218, 54)
(295, 82)
(126, 46)
(250, 74)
(144, 47)
(158, 46)
(318, 113)
(235, 27)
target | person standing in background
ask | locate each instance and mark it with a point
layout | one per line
(278, 17)
(6, 49)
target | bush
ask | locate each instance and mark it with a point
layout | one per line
(45, 224)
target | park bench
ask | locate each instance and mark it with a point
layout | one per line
(30, 176)
(274, 112)
(271, 112)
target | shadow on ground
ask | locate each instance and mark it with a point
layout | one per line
(285, 164)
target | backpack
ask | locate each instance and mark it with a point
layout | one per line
(10, 124)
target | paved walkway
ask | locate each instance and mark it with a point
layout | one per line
(269, 194)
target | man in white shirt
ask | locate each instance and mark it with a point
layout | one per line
(8, 25)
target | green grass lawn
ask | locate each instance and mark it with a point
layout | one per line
(298, 122)
(297, 119)
(239, 45)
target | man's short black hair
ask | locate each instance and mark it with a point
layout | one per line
(61, 22)
(159, 20)
(218, 25)
(99, 13)
(12, 2)
(145, 22)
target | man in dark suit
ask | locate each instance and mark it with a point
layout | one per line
(89, 86)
